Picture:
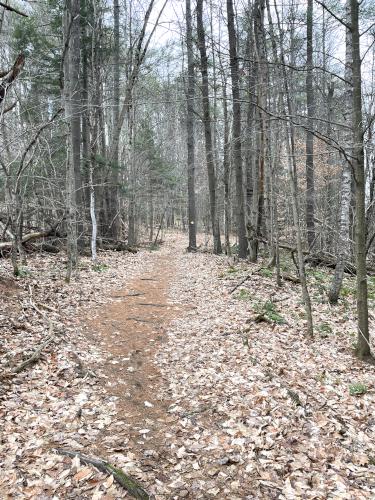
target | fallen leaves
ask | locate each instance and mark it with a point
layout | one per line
(233, 429)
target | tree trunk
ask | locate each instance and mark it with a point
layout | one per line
(226, 169)
(73, 115)
(114, 191)
(237, 153)
(257, 207)
(363, 345)
(190, 132)
(207, 130)
(310, 190)
(343, 241)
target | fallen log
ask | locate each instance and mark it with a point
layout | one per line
(289, 277)
(323, 259)
(130, 485)
(5, 245)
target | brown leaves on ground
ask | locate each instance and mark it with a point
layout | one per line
(256, 411)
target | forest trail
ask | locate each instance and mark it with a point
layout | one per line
(129, 332)
(193, 396)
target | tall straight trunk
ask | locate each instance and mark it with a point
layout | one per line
(363, 346)
(250, 116)
(207, 130)
(73, 116)
(237, 150)
(257, 207)
(343, 240)
(310, 190)
(114, 194)
(190, 132)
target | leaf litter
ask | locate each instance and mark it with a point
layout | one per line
(255, 410)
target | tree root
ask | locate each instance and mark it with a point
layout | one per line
(129, 484)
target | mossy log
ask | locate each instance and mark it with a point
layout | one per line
(130, 485)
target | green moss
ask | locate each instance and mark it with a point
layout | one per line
(267, 273)
(100, 268)
(268, 310)
(324, 329)
(357, 389)
(244, 294)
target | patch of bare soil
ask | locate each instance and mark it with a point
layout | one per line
(129, 332)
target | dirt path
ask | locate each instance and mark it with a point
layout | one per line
(129, 332)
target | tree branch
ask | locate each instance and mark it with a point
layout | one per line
(13, 9)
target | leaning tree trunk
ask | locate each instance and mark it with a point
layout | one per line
(236, 133)
(207, 129)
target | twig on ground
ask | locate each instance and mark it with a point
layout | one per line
(36, 354)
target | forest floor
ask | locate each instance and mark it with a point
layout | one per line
(196, 392)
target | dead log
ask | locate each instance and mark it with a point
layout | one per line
(323, 259)
(327, 260)
(289, 277)
(130, 485)
(5, 245)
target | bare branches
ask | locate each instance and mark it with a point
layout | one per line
(13, 9)
(33, 141)
(341, 21)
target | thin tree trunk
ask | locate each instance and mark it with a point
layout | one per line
(310, 190)
(226, 168)
(73, 115)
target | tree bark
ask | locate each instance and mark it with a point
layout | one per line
(343, 241)
(73, 116)
(207, 130)
(190, 132)
(236, 134)
(310, 190)
(363, 346)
